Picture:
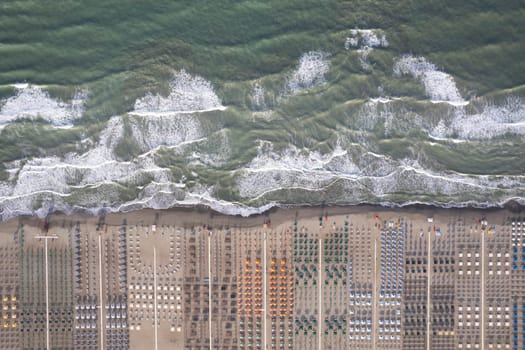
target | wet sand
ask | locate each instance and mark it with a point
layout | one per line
(188, 217)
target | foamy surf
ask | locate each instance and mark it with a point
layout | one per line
(99, 166)
(439, 86)
(188, 94)
(179, 160)
(365, 40)
(34, 102)
(310, 72)
(489, 122)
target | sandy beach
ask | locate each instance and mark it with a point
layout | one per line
(298, 278)
(187, 217)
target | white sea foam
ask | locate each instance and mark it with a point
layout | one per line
(365, 40)
(439, 86)
(373, 112)
(220, 151)
(458, 124)
(62, 177)
(34, 102)
(257, 98)
(384, 99)
(370, 174)
(452, 103)
(166, 130)
(311, 71)
(295, 168)
(187, 94)
(261, 178)
(446, 139)
(490, 122)
(23, 85)
(359, 173)
(408, 176)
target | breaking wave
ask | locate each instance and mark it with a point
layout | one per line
(490, 122)
(439, 86)
(310, 72)
(188, 94)
(182, 159)
(365, 40)
(32, 101)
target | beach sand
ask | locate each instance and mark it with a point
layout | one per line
(197, 272)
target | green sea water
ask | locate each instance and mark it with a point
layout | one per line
(119, 50)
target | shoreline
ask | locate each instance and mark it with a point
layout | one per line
(56, 205)
(199, 214)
